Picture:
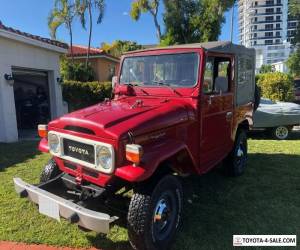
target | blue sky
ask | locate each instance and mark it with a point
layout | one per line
(31, 16)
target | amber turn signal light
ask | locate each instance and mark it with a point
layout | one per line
(134, 153)
(43, 130)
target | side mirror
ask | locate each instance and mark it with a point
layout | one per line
(114, 81)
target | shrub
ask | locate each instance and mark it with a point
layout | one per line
(83, 94)
(76, 71)
(266, 68)
(276, 86)
(293, 63)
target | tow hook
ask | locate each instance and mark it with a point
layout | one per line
(78, 180)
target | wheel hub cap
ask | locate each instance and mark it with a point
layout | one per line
(281, 132)
(240, 155)
(161, 214)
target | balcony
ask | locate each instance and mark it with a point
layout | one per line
(268, 14)
(273, 21)
(266, 30)
(267, 5)
(265, 37)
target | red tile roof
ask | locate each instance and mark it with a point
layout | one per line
(80, 50)
(34, 37)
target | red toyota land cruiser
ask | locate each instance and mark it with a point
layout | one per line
(176, 111)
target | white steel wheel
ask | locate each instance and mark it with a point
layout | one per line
(281, 132)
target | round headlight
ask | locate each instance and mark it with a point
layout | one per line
(104, 157)
(53, 142)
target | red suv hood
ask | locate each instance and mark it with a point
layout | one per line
(114, 119)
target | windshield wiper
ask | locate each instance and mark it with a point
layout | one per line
(137, 85)
(162, 83)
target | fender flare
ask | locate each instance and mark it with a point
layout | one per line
(154, 156)
(43, 146)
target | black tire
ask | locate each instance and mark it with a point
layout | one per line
(152, 225)
(281, 133)
(49, 172)
(236, 161)
(257, 97)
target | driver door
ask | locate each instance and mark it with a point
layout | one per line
(216, 111)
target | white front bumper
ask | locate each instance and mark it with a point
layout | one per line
(89, 219)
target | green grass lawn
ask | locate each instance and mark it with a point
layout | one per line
(266, 200)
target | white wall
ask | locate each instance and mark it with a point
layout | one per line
(18, 54)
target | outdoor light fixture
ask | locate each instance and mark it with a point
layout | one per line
(59, 80)
(9, 78)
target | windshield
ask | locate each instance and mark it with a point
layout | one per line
(175, 70)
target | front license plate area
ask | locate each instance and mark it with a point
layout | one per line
(80, 151)
(49, 207)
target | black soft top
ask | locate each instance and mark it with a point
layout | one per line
(218, 46)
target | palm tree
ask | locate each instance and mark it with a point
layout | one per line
(142, 6)
(63, 13)
(84, 6)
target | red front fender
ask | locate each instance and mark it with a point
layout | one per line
(154, 155)
(43, 146)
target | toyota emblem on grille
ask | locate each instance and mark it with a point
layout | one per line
(78, 150)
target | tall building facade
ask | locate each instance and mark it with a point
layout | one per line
(267, 26)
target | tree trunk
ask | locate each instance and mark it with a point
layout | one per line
(90, 35)
(71, 42)
(158, 30)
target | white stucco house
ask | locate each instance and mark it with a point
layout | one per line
(30, 90)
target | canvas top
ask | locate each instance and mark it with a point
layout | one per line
(218, 46)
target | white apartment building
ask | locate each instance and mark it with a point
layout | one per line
(267, 26)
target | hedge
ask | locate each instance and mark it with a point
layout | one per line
(276, 86)
(83, 94)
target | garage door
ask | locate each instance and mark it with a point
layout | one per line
(32, 100)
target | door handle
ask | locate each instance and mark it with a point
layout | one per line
(210, 99)
(228, 115)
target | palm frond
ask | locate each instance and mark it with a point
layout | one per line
(100, 7)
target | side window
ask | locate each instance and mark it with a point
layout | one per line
(222, 75)
(223, 69)
(217, 75)
(208, 82)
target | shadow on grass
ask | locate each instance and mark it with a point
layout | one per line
(103, 243)
(263, 201)
(13, 153)
(266, 135)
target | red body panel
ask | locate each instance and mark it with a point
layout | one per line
(163, 121)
